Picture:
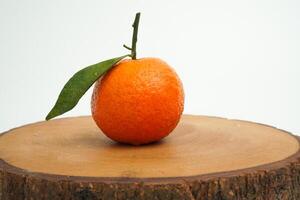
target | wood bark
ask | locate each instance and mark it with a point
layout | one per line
(277, 181)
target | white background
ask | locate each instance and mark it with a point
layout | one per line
(236, 58)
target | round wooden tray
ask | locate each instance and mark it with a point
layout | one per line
(204, 158)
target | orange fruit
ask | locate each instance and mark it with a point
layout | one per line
(138, 101)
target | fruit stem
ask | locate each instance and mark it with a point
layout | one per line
(135, 26)
(127, 47)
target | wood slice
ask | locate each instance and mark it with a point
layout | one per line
(205, 158)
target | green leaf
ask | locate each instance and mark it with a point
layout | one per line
(80, 82)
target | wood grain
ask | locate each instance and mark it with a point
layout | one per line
(204, 158)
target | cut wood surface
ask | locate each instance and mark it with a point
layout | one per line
(204, 158)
